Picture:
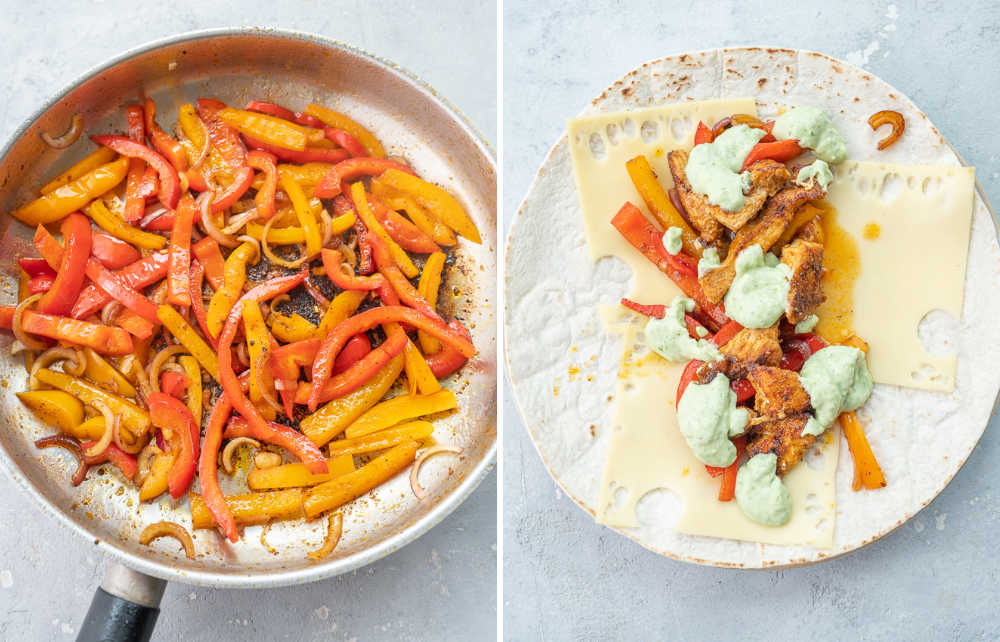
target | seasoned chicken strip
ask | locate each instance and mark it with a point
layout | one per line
(784, 438)
(811, 231)
(779, 393)
(763, 230)
(806, 290)
(695, 204)
(754, 345)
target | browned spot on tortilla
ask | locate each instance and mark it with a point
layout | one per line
(734, 72)
(627, 90)
(837, 68)
(761, 82)
(893, 96)
(856, 99)
(755, 67)
(593, 430)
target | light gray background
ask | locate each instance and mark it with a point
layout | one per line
(443, 586)
(568, 578)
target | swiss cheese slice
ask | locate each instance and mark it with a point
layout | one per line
(916, 264)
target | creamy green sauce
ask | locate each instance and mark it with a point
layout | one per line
(761, 494)
(807, 324)
(708, 417)
(701, 331)
(817, 170)
(669, 338)
(672, 239)
(713, 169)
(709, 261)
(814, 130)
(756, 299)
(837, 380)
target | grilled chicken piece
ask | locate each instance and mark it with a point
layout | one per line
(764, 230)
(784, 438)
(754, 345)
(806, 290)
(779, 393)
(811, 231)
(695, 204)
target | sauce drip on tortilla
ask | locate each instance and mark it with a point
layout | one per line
(843, 266)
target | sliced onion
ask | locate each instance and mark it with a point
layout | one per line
(230, 450)
(347, 255)
(152, 213)
(110, 427)
(418, 490)
(109, 311)
(116, 436)
(314, 292)
(264, 392)
(303, 257)
(237, 221)
(130, 365)
(263, 542)
(157, 364)
(168, 529)
(281, 298)
(144, 461)
(334, 529)
(17, 347)
(15, 326)
(51, 356)
(324, 218)
(68, 138)
(242, 355)
(72, 445)
(204, 201)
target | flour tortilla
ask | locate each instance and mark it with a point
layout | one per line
(563, 365)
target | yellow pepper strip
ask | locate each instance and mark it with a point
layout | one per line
(428, 286)
(418, 372)
(337, 120)
(277, 235)
(134, 418)
(103, 373)
(337, 492)
(658, 203)
(437, 200)
(102, 156)
(342, 223)
(190, 339)
(56, 408)
(342, 306)
(399, 409)
(251, 508)
(258, 343)
(307, 173)
(187, 117)
(269, 129)
(235, 277)
(297, 475)
(399, 255)
(90, 430)
(155, 482)
(333, 417)
(289, 329)
(195, 395)
(116, 226)
(307, 220)
(427, 222)
(73, 195)
(409, 431)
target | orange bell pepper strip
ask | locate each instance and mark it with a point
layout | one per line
(135, 204)
(355, 350)
(102, 338)
(339, 121)
(249, 508)
(210, 256)
(409, 237)
(352, 169)
(728, 488)
(662, 209)
(119, 291)
(174, 384)
(69, 275)
(864, 459)
(269, 129)
(339, 491)
(169, 413)
(340, 277)
(399, 255)
(170, 184)
(703, 134)
(322, 368)
(781, 151)
(400, 408)
(113, 253)
(442, 204)
(73, 195)
(423, 219)
(138, 275)
(346, 140)
(726, 333)
(308, 155)
(100, 156)
(402, 286)
(428, 286)
(198, 304)
(179, 268)
(448, 360)
(208, 468)
(264, 199)
(165, 144)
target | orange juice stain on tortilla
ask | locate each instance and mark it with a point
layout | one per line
(842, 263)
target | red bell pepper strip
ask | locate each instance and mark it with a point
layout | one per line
(41, 283)
(150, 184)
(814, 342)
(179, 263)
(135, 204)
(264, 199)
(448, 360)
(210, 256)
(168, 413)
(332, 264)
(781, 151)
(402, 286)
(726, 333)
(125, 462)
(682, 269)
(307, 155)
(703, 134)
(138, 275)
(102, 338)
(796, 351)
(409, 237)
(345, 140)
(208, 468)
(235, 191)
(112, 252)
(174, 384)
(335, 340)
(134, 324)
(198, 303)
(352, 168)
(744, 389)
(119, 291)
(687, 376)
(165, 144)
(6, 316)
(365, 265)
(277, 434)
(170, 184)
(692, 326)
(355, 350)
(37, 267)
(224, 138)
(652, 311)
(728, 488)
(769, 137)
(285, 363)
(283, 112)
(69, 277)
(50, 249)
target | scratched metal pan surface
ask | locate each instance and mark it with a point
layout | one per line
(291, 69)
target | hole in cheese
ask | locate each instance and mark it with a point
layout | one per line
(681, 128)
(660, 508)
(937, 332)
(892, 187)
(612, 132)
(649, 131)
(628, 127)
(597, 147)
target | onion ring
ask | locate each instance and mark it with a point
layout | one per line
(52, 355)
(315, 293)
(303, 257)
(18, 330)
(888, 117)
(69, 137)
(168, 529)
(109, 311)
(264, 393)
(237, 221)
(204, 202)
(242, 355)
(231, 447)
(327, 222)
(110, 427)
(157, 364)
(152, 213)
(415, 486)
(281, 298)
(334, 529)
(72, 445)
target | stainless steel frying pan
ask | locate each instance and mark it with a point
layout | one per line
(291, 69)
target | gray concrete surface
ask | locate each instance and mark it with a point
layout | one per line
(443, 586)
(567, 578)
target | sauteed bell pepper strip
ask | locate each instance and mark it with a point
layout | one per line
(195, 131)
(398, 254)
(681, 269)
(126, 463)
(179, 269)
(250, 508)
(358, 374)
(444, 206)
(658, 203)
(308, 155)
(138, 275)
(271, 109)
(430, 224)
(407, 293)
(97, 158)
(355, 350)
(170, 185)
(119, 291)
(335, 272)
(198, 304)
(168, 413)
(342, 306)
(339, 491)
(134, 419)
(652, 311)
(113, 253)
(346, 140)
(194, 392)
(165, 144)
(73, 195)
(227, 295)
(155, 482)
(269, 129)
(101, 372)
(407, 235)
(39, 267)
(335, 181)
(864, 459)
(40, 283)
(174, 384)
(135, 204)
(208, 468)
(703, 134)
(781, 151)
(69, 276)
(241, 183)
(314, 242)
(340, 121)
(446, 361)
(428, 286)
(401, 408)
(264, 199)
(419, 376)
(210, 256)
(725, 333)
(117, 227)
(258, 344)
(102, 338)
(289, 329)
(728, 488)
(190, 339)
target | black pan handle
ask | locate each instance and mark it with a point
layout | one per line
(124, 608)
